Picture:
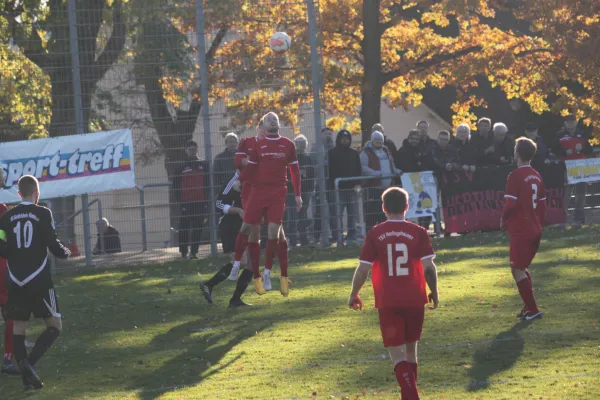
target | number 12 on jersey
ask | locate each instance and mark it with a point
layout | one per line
(397, 255)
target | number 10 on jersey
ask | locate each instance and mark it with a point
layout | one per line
(397, 255)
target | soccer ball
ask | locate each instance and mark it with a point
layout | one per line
(280, 42)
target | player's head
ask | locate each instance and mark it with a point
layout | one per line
(395, 201)
(525, 149)
(260, 129)
(29, 188)
(271, 123)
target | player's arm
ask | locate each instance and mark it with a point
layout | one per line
(52, 242)
(431, 278)
(3, 238)
(541, 206)
(225, 200)
(241, 156)
(510, 200)
(295, 175)
(368, 255)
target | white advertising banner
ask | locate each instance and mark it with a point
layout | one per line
(579, 171)
(423, 194)
(69, 165)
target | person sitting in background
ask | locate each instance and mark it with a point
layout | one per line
(110, 236)
(445, 155)
(376, 160)
(411, 157)
(387, 142)
(542, 155)
(502, 149)
(466, 150)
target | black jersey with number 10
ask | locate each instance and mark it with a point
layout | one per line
(28, 232)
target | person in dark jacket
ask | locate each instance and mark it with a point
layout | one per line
(411, 157)
(501, 152)
(296, 223)
(445, 155)
(224, 164)
(190, 187)
(328, 144)
(427, 144)
(466, 150)
(482, 141)
(344, 162)
(108, 241)
(387, 142)
(571, 143)
(542, 154)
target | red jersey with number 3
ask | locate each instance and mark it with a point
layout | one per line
(396, 250)
(526, 187)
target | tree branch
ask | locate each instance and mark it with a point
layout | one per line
(114, 46)
(425, 64)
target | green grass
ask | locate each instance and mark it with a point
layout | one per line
(147, 333)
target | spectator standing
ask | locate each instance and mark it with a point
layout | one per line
(482, 141)
(427, 144)
(445, 155)
(224, 165)
(110, 236)
(411, 157)
(387, 142)
(542, 155)
(297, 222)
(466, 151)
(344, 162)
(571, 143)
(190, 188)
(501, 152)
(376, 160)
(328, 143)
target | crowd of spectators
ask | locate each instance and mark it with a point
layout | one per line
(379, 160)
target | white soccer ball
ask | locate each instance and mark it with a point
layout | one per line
(280, 42)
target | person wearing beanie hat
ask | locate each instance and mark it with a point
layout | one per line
(376, 160)
(344, 162)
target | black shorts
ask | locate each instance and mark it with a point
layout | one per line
(229, 233)
(36, 297)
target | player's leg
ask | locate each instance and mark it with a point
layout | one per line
(228, 236)
(242, 284)
(393, 331)
(273, 229)
(522, 252)
(254, 258)
(414, 318)
(282, 254)
(8, 365)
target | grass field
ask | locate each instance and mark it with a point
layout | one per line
(147, 332)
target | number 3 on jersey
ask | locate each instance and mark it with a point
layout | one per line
(397, 255)
(27, 234)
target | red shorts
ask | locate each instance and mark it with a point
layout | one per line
(3, 282)
(401, 325)
(523, 250)
(267, 203)
(246, 190)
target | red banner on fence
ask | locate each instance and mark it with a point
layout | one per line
(474, 201)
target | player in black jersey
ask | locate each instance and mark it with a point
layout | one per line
(27, 232)
(229, 203)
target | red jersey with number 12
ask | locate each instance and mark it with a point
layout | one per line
(526, 187)
(396, 250)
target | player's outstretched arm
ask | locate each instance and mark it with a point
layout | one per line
(360, 277)
(52, 242)
(431, 277)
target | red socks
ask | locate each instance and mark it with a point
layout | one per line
(254, 253)
(8, 340)
(282, 254)
(240, 246)
(406, 379)
(526, 292)
(272, 246)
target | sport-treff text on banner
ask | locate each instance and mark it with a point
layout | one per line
(70, 165)
(579, 171)
(422, 192)
(474, 201)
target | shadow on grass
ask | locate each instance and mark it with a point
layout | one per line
(501, 355)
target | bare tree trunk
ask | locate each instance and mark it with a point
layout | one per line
(372, 84)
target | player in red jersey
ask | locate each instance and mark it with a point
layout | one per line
(249, 149)
(400, 257)
(523, 216)
(8, 365)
